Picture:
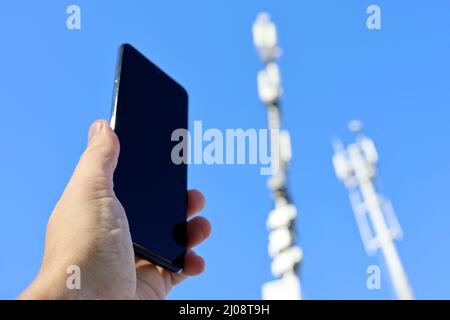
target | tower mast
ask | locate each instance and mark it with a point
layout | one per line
(356, 166)
(281, 221)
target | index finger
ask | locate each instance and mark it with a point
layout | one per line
(196, 202)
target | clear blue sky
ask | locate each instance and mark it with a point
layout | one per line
(54, 82)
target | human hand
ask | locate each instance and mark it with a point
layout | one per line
(88, 228)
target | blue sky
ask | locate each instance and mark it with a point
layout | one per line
(56, 81)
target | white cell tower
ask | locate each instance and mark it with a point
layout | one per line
(356, 166)
(281, 221)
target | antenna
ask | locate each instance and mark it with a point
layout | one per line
(356, 166)
(281, 221)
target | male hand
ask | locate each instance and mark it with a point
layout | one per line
(89, 229)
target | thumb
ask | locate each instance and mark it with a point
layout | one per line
(101, 155)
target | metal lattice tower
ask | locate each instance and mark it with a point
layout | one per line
(356, 166)
(281, 221)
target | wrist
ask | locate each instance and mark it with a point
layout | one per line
(50, 286)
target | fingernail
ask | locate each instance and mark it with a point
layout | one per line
(95, 128)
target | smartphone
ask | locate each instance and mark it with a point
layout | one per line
(148, 106)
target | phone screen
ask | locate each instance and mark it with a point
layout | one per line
(148, 107)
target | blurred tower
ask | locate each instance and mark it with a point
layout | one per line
(356, 166)
(281, 221)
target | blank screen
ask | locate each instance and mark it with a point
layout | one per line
(152, 189)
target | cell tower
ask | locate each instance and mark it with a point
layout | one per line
(281, 221)
(356, 166)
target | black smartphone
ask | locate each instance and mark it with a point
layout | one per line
(148, 107)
